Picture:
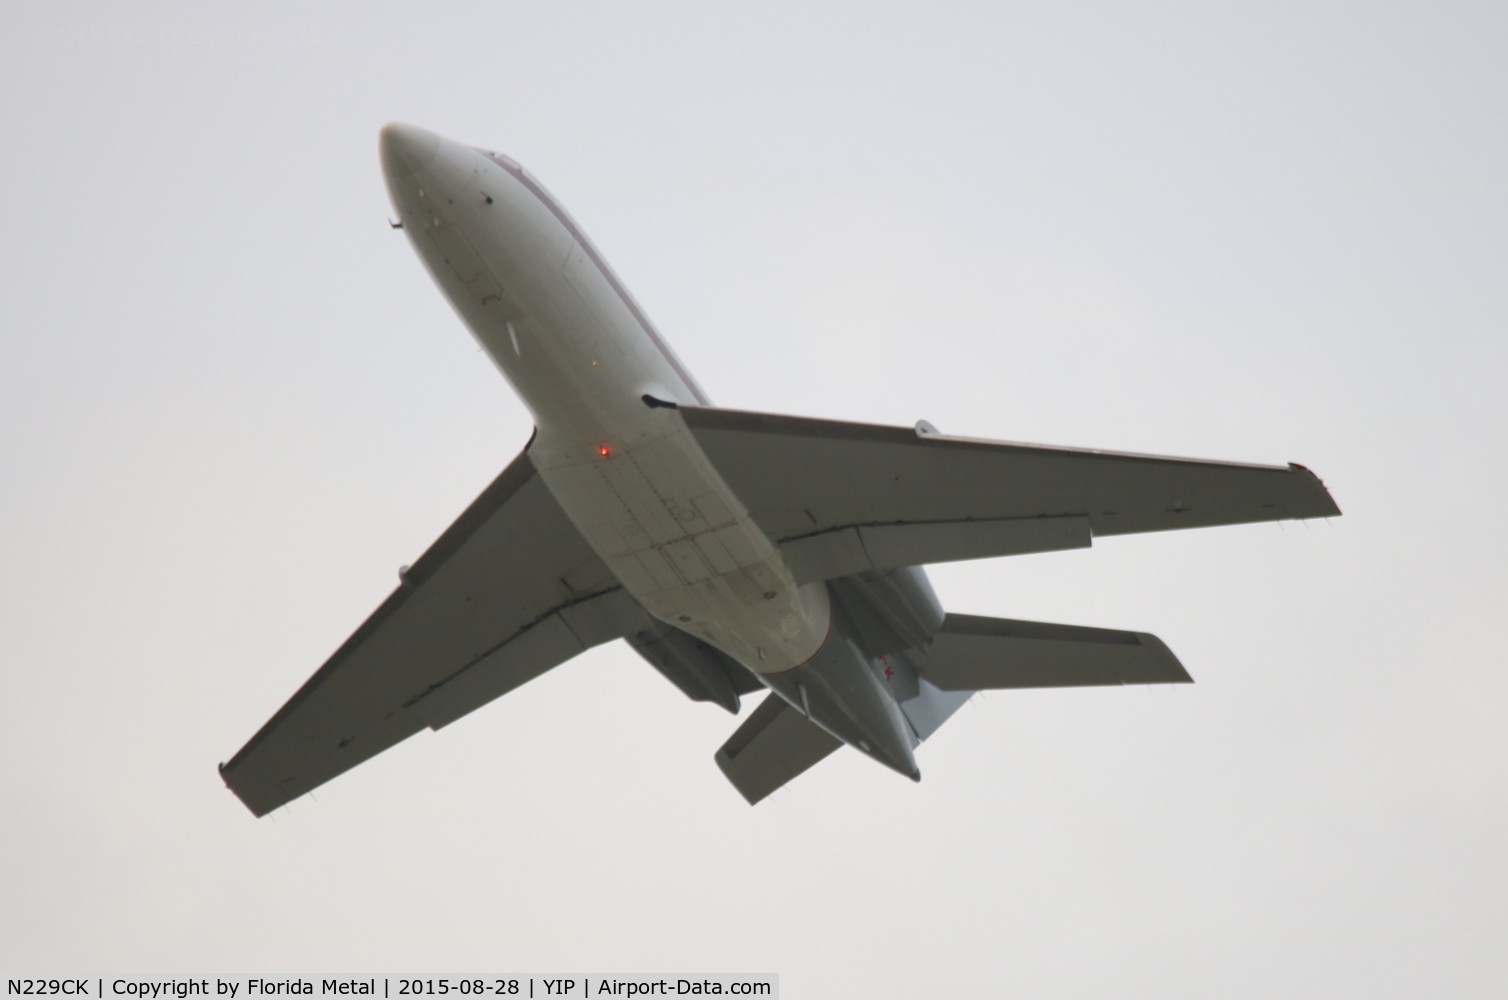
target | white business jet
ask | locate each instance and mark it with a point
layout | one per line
(734, 551)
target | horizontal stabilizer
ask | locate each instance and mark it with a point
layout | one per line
(774, 745)
(971, 653)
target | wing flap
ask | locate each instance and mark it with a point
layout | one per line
(548, 643)
(973, 653)
(535, 651)
(845, 551)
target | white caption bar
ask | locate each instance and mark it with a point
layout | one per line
(506, 985)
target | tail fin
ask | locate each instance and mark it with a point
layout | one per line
(931, 706)
(970, 653)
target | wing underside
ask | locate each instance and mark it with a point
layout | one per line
(843, 498)
(507, 592)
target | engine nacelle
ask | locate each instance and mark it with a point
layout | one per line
(890, 611)
(700, 671)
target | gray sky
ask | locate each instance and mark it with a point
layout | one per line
(232, 404)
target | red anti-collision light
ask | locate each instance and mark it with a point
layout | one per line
(604, 450)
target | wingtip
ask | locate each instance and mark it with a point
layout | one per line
(1334, 510)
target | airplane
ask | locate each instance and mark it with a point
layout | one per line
(736, 552)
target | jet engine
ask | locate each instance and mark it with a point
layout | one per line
(700, 671)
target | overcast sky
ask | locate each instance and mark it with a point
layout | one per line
(232, 404)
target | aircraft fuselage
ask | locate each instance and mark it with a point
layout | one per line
(602, 387)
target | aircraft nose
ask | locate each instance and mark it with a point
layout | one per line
(405, 149)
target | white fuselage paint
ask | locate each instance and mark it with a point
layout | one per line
(581, 354)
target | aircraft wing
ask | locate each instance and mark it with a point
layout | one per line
(507, 592)
(842, 498)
